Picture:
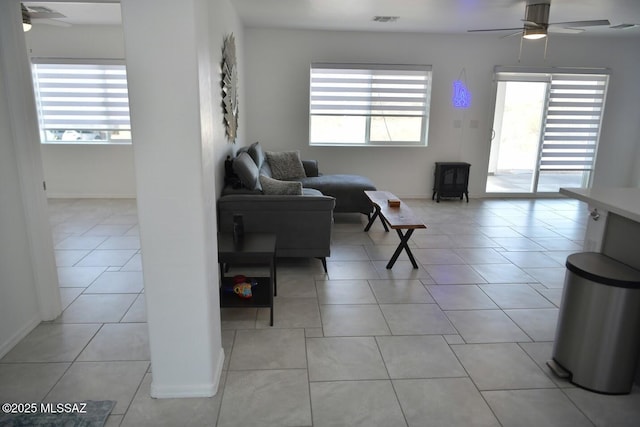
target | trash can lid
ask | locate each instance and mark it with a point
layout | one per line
(603, 269)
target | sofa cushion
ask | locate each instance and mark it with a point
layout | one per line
(265, 169)
(257, 154)
(285, 165)
(247, 170)
(347, 189)
(311, 192)
(272, 186)
(311, 168)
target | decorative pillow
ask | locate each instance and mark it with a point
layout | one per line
(265, 169)
(285, 165)
(256, 153)
(247, 170)
(274, 187)
(230, 177)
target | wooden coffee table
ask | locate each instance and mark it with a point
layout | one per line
(398, 218)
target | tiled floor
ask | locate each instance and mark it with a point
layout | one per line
(461, 341)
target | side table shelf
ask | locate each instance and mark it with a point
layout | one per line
(256, 248)
(261, 294)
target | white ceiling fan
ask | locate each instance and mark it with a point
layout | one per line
(41, 15)
(536, 24)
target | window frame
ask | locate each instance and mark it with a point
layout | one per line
(107, 98)
(411, 101)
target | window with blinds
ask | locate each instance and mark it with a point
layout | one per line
(575, 106)
(367, 104)
(82, 102)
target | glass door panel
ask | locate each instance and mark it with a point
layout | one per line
(518, 120)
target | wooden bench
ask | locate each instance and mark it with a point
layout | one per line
(398, 218)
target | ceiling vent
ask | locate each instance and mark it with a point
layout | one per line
(386, 18)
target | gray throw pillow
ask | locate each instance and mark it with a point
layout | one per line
(246, 169)
(274, 187)
(256, 153)
(285, 165)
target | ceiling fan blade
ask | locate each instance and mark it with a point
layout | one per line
(566, 30)
(517, 33)
(592, 23)
(46, 15)
(531, 24)
(495, 29)
(53, 22)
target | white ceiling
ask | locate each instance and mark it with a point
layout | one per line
(80, 13)
(428, 16)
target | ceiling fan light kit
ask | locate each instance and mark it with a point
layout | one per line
(534, 33)
(42, 15)
(536, 18)
(536, 25)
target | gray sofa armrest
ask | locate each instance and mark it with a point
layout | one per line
(311, 167)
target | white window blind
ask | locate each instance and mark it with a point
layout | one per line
(373, 104)
(574, 112)
(82, 101)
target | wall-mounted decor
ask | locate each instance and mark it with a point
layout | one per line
(461, 97)
(230, 87)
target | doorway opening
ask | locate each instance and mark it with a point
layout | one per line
(545, 131)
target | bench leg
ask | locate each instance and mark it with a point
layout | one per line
(376, 214)
(404, 240)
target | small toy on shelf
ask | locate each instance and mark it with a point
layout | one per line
(241, 286)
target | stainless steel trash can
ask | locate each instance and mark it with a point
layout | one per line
(598, 332)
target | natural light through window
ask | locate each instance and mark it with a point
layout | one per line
(369, 105)
(546, 130)
(82, 103)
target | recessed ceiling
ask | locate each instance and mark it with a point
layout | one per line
(432, 16)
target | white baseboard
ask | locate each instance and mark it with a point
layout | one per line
(89, 196)
(190, 390)
(6, 347)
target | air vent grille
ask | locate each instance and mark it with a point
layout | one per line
(386, 18)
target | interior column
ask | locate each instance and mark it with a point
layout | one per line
(166, 44)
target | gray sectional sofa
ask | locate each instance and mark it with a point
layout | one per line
(279, 192)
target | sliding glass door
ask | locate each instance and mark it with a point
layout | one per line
(545, 131)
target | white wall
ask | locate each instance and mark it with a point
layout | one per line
(274, 102)
(18, 300)
(83, 170)
(104, 170)
(88, 170)
(28, 282)
(277, 68)
(224, 21)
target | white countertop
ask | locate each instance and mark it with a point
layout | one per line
(622, 201)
